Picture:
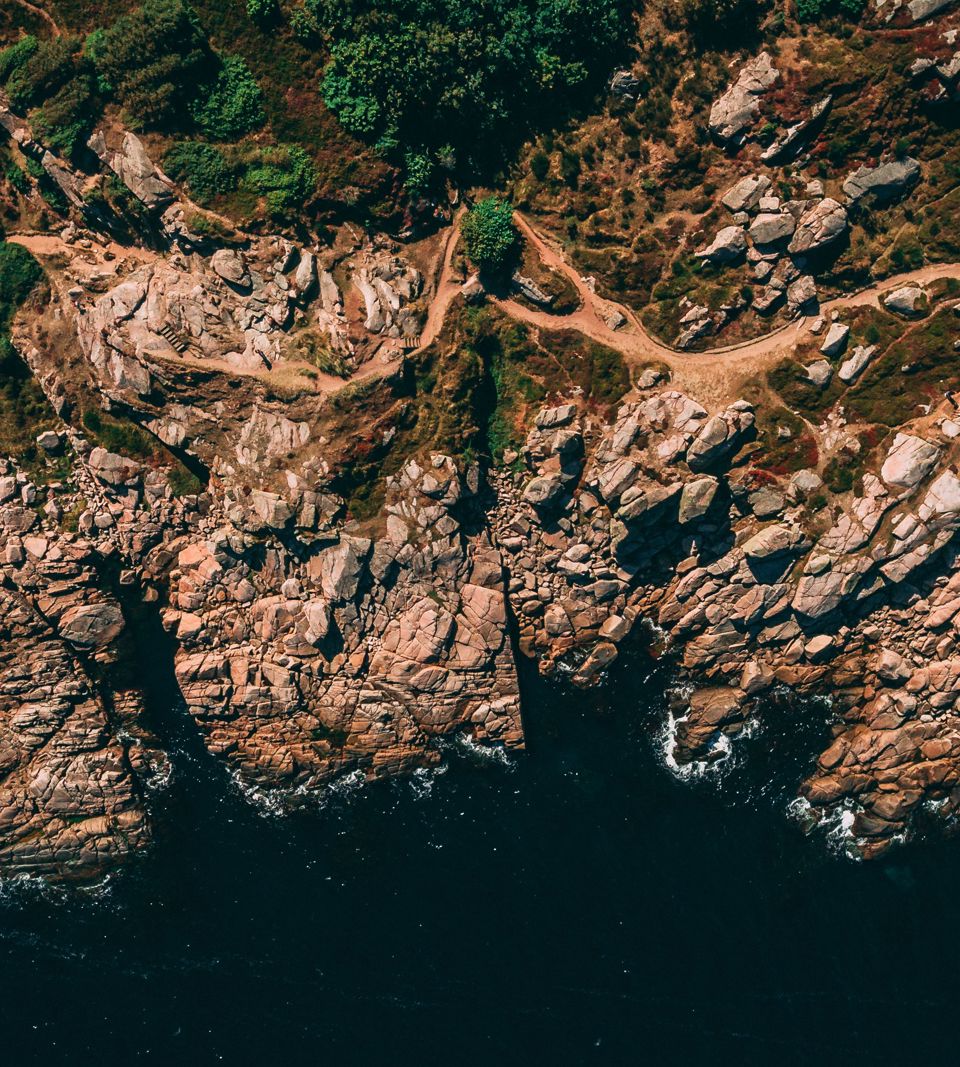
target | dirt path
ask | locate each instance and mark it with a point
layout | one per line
(41, 14)
(446, 286)
(47, 244)
(714, 375)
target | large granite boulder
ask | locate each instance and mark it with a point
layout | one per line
(885, 182)
(769, 227)
(729, 244)
(908, 300)
(835, 340)
(819, 226)
(852, 368)
(736, 111)
(720, 436)
(135, 169)
(746, 194)
(909, 461)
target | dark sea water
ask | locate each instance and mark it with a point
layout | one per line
(574, 904)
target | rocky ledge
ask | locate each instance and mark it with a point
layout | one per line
(305, 652)
(308, 645)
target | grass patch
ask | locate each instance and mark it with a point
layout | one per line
(24, 409)
(888, 394)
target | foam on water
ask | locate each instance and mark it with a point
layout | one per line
(421, 782)
(722, 751)
(466, 746)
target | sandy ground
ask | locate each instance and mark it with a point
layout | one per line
(715, 376)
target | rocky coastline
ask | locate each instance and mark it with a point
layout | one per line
(309, 644)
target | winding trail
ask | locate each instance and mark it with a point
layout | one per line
(714, 374)
(446, 286)
(41, 14)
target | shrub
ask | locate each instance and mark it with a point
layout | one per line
(706, 17)
(489, 234)
(540, 165)
(285, 176)
(233, 106)
(65, 120)
(14, 56)
(183, 482)
(19, 273)
(152, 60)
(570, 167)
(41, 73)
(262, 12)
(814, 10)
(18, 179)
(304, 26)
(420, 169)
(202, 168)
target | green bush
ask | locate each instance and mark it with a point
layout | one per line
(153, 60)
(814, 10)
(262, 12)
(18, 179)
(304, 27)
(47, 67)
(489, 234)
(540, 165)
(233, 106)
(285, 176)
(14, 56)
(705, 18)
(65, 120)
(416, 72)
(24, 409)
(19, 273)
(570, 168)
(420, 168)
(202, 168)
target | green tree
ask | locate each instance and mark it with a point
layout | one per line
(262, 12)
(489, 234)
(420, 169)
(15, 55)
(64, 121)
(286, 178)
(233, 105)
(408, 74)
(19, 273)
(814, 10)
(42, 72)
(202, 168)
(705, 18)
(153, 59)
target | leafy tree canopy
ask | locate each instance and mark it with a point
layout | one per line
(201, 167)
(419, 74)
(152, 59)
(233, 105)
(813, 10)
(489, 234)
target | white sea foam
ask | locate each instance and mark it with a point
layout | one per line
(722, 751)
(482, 752)
(422, 781)
(657, 633)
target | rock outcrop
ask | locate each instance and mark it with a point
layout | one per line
(735, 112)
(885, 182)
(819, 226)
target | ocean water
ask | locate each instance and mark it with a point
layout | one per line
(573, 904)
